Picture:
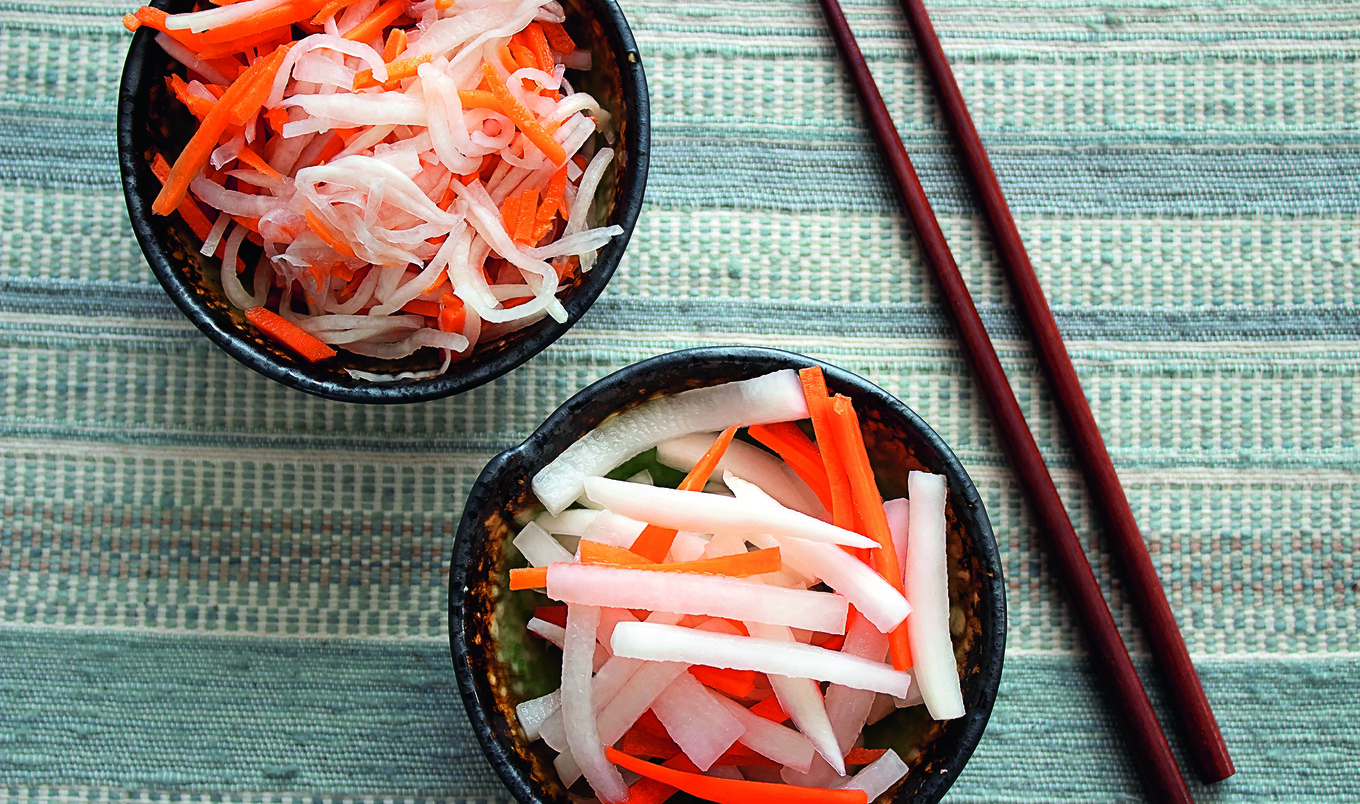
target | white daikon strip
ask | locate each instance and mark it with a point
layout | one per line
(533, 712)
(691, 593)
(567, 523)
(697, 721)
(712, 513)
(552, 632)
(913, 698)
(927, 586)
(539, 547)
(897, 513)
(769, 739)
(879, 776)
(578, 713)
(801, 699)
(884, 705)
(610, 528)
(200, 21)
(745, 461)
(877, 599)
(636, 696)
(611, 677)
(644, 477)
(847, 708)
(326, 111)
(669, 643)
(687, 546)
(772, 398)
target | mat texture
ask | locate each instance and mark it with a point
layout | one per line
(214, 589)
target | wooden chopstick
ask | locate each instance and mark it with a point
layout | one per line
(1147, 742)
(1208, 750)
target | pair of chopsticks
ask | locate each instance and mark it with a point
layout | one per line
(1147, 741)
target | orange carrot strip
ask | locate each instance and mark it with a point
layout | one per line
(558, 37)
(510, 213)
(452, 313)
(557, 615)
(254, 160)
(814, 388)
(252, 99)
(423, 307)
(788, 442)
(397, 71)
(396, 43)
(523, 56)
(593, 552)
(324, 232)
(770, 709)
(528, 212)
(523, 118)
(188, 209)
(740, 755)
(654, 542)
(849, 440)
(200, 146)
(742, 565)
(507, 59)
(382, 16)
(198, 106)
(863, 756)
(639, 742)
(537, 42)
(734, 791)
(528, 578)
(553, 199)
(737, 683)
(272, 36)
(289, 334)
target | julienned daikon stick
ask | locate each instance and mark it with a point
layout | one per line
(774, 397)
(578, 713)
(533, 712)
(897, 512)
(878, 776)
(696, 721)
(567, 523)
(866, 590)
(539, 547)
(745, 461)
(711, 513)
(650, 680)
(801, 699)
(610, 528)
(669, 643)
(927, 585)
(769, 739)
(686, 593)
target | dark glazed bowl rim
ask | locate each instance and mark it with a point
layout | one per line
(539, 447)
(139, 187)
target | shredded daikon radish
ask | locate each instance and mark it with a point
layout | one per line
(578, 714)
(802, 700)
(696, 721)
(534, 711)
(772, 398)
(879, 776)
(897, 514)
(712, 513)
(568, 523)
(773, 740)
(687, 593)
(927, 584)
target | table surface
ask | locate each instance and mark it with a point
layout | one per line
(216, 589)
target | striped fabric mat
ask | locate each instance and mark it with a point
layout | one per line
(213, 589)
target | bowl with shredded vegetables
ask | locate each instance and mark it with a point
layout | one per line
(728, 574)
(383, 200)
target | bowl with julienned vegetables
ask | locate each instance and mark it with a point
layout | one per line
(383, 200)
(728, 574)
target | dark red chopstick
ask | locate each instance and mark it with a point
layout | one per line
(1149, 747)
(1207, 749)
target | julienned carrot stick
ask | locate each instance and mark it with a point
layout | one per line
(807, 465)
(654, 542)
(553, 198)
(842, 505)
(593, 552)
(863, 756)
(276, 17)
(537, 42)
(289, 334)
(770, 709)
(382, 16)
(188, 208)
(737, 683)
(741, 565)
(254, 160)
(640, 743)
(557, 37)
(324, 232)
(195, 155)
(395, 46)
(734, 791)
(397, 72)
(523, 118)
(849, 441)
(528, 213)
(197, 105)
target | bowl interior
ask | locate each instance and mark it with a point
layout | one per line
(151, 121)
(498, 666)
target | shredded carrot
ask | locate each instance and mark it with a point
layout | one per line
(734, 791)
(188, 208)
(789, 443)
(254, 160)
(740, 755)
(289, 334)
(818, 402)
(271, 37)
(397, 72)
(382, 16)
(557, 615)
(480, 99)
(528, 212)
(593, 552)
(770, 709)
(863, 756)
(639, 742)
(741, 565)
(553, 199)
(537, 43)
(197, 105)
(849, 440)
(737, 683)
(523, 118)
(324, 232)
(523, 56)
(510, 214)
(421, 307)
(654, 542)
(452, 313)
(559, 39)
(507, 58)
(396, 44)
(200, 146)
(154, 18)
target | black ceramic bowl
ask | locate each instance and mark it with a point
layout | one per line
(150, 122)
(497, 667)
